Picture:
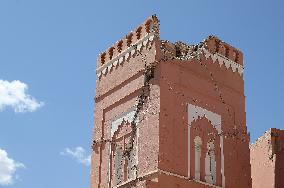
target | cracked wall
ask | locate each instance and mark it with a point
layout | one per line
(193, 79)
(267, 164)
(144, 88)
(125, 81)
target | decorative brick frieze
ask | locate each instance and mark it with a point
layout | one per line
(145, 42)
(223, 60)
(125, 117)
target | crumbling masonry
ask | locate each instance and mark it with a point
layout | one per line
(170, 114)
(267, 160)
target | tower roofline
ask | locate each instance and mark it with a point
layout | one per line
(145, 33)
(215, 45)
(135, 37)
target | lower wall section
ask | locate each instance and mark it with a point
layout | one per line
(169, 180)
(163, 179)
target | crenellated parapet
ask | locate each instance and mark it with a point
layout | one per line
(143, 36)
(224, 53)
(129, 46)
(212, 47)
(215, 45)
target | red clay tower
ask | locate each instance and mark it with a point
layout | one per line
(170, 114)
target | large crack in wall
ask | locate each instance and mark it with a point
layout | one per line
(141, 101)
(182, 51)
(170, 51)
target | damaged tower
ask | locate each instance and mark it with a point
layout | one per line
(170, 114)
(267, 160)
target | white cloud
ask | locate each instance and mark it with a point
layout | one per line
(13, 94)
(79, 154)
(8, 168)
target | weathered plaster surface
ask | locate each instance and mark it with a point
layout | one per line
(154, 97)
(267, 166)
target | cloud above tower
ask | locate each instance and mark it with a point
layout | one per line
(79, 154)
(8, 168)
(14, 95)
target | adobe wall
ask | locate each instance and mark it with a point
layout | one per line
(267, 160)
(162, 179)
(165, 180)
(262, 162)
(150, 83)
(279, 166)
(213, 87)
(121, 72)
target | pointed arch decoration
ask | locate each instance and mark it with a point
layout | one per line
(195, 113)
(116, 123)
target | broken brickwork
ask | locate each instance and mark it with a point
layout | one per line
(169, 114)
(267, 160)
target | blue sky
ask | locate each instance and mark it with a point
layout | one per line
(50, 47)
